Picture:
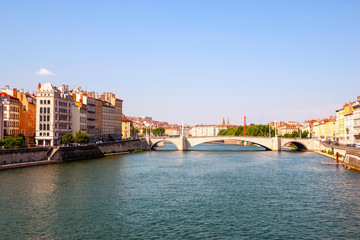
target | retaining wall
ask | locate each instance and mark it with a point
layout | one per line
(20, 155)
(77, 153)
(122, 146)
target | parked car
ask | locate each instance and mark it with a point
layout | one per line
(336, 144)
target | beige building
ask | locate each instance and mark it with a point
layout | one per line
(53, 114)
(79, 117)
(1, 120)
(356, 118)
(11, 115)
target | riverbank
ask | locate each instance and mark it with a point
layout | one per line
(26, 157)
(28, 164)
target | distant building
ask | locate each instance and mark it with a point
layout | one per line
(210, 130)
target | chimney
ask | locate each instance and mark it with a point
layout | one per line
(39, 86)
(15, 92)
(67, 88)
(63, 88)
(7, 87)
(22, 91)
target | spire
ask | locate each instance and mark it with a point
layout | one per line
(228, 122)
(223, 122)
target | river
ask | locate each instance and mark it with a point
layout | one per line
(221, 192)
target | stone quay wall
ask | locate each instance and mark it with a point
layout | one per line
(73, 153)
(123, 146)
(21, 155)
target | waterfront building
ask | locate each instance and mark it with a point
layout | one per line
(79, 117)
(348, 124)
(1, 120)
(330, 129)
(340, 128)
(127, 128)
(173, 131)
(108, 116)
(210, 130)
(53, 114)
(356, 116)
(26, 113)
(11, 114)
(116, 104)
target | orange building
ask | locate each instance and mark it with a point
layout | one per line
(27, 113)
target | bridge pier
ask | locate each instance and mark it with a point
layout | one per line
(276, 144)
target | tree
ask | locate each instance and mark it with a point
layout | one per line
(68, 138)
(295, 134)
(304, 134)
(158, 131)
(12, 142)
(81, 137)
(135, 131)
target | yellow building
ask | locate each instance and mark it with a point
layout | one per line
(127, 128)
(329, 129)
(317, 129)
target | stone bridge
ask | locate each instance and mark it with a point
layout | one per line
(274, 143)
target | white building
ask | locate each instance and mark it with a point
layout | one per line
(79, 117)
(356, 113)
(53, 114)
(349, 128)
(206, 130)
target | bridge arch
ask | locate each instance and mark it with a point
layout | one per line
(301, 145)
(167, 140)
(263, 142)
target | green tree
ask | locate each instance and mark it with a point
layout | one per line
(68, 138)
(304, 134)
(135, 131)
(295, 134)
(158, 131)
(12, 142)
(81, 137)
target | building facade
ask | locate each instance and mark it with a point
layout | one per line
(53, 114)
(11, 114)
(356, 116)
(1, 120)
(127, 128)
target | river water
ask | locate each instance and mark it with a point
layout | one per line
(228, 194)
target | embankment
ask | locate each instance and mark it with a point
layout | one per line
(37, 155)
(22, 155)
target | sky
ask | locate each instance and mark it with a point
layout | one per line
(196, 61)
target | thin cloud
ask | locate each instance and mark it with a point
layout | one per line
(44, 72)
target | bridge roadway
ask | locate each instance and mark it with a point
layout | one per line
(269, 143)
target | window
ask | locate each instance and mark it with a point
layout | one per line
(40, 126)
(48, 110)
(48, 134)
(41, 111)
(48, 101)
(48, 118)
(40, 134)
(44, 127)
(24, 108)
(41, 101)
(40, 118)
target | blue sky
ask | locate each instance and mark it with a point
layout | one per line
(195, 61)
